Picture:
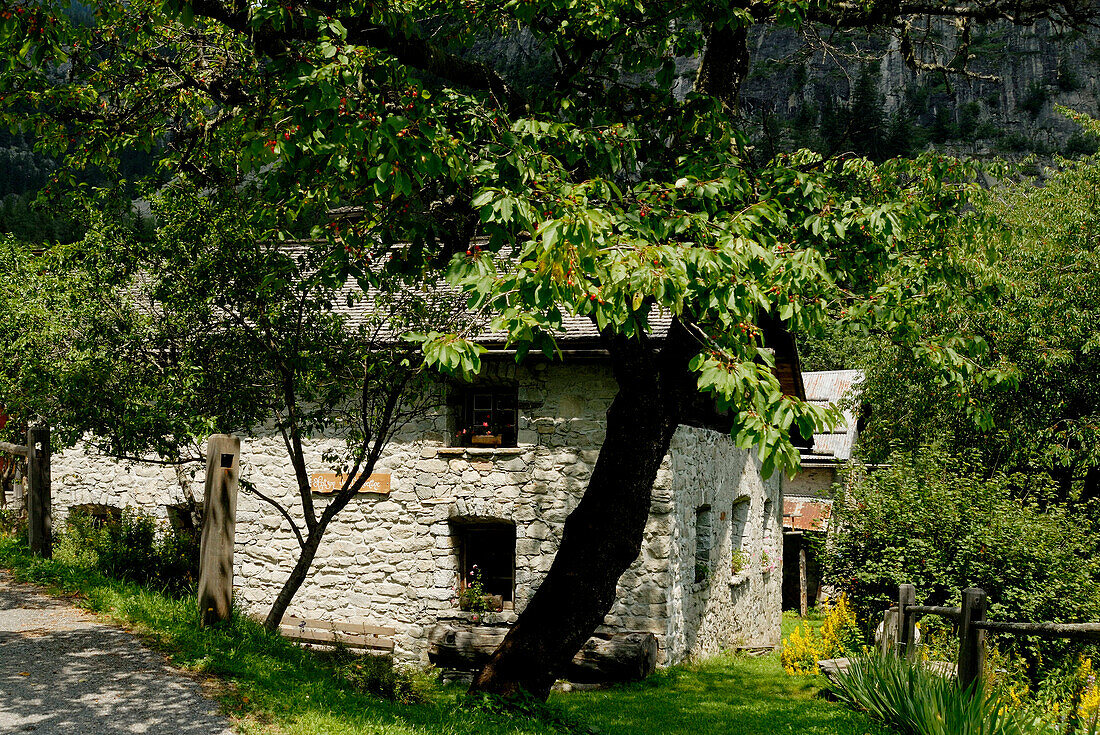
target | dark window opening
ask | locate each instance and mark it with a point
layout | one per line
(487, 416)
(703, 542)
(487, 551)
(185, 517)
(97, 515)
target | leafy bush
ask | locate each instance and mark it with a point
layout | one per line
(135, 547)
(839, 634)
(915, 701)
(933, 520)
(12, 520)
(379, 676)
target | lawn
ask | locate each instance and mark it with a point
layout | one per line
(270, 686)
(733, 695)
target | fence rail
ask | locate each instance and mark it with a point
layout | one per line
(973, 628)
(13, 449)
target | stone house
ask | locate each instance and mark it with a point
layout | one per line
(487, 481)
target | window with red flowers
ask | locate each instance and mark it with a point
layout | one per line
(487, 416)
(487, 552)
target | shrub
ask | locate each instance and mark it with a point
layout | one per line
(12, 521)
(933, 520)
(135, 548)
(805, 646)
(381, 677)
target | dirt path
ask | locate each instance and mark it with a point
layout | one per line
(63, 672)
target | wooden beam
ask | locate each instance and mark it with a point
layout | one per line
(331, 637)
(971, 638)
(340, 627)
(10, 448)
(907, 597)
(803, 608)
(1084, 631)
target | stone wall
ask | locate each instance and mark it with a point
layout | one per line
(811, 482)
(81, 477)
(719, 608)
(392, 559)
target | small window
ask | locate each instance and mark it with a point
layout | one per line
(97, 515)
(487, 551)
(487, 416)
(739, 521)
(703, 541)
(185, 517)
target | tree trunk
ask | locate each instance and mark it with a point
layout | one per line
(603, 536)
(725, 64)
(294, 581)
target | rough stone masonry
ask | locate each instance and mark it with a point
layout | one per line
(393, 559)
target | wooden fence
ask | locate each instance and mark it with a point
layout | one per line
(37, 496)
(974, 628)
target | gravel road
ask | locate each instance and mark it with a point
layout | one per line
(63, 672)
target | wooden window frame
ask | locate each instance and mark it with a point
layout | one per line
(505, 586)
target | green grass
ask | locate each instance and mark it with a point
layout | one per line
(267, 685)
(733, 695)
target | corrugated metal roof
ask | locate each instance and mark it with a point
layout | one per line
(806, 514)
(825, 388)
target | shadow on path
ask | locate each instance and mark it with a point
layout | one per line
(61, 671)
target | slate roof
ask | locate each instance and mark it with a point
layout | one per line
(579, 332)
(825, 388)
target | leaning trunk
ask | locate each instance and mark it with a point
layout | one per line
(294, 581)
(603, 536)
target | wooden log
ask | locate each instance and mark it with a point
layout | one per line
(1080, 631)
(463, 647)
(971, 638)
(39, 522)
(907, 622)
(622, 657)
(619, 657)
(13, 448)
(223, 455)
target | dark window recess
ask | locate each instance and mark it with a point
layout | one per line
(703, 541)
(185, 517)
(488, 417)
(98, 515)
(488, 549)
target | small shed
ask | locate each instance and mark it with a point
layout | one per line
(808, 497)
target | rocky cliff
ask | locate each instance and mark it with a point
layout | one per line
(859, 95)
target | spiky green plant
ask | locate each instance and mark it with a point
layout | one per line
(917, 701)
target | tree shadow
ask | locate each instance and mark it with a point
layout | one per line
(94, 679)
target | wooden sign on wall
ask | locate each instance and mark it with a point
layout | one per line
(327, 483)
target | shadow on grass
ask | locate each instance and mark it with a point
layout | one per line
(272, 686)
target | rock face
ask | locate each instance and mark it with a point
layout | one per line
(862, 97)
(394, 559)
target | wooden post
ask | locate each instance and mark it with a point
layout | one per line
(223, 460)
(888, 643)
(803, 608)
(907, 623)
(39, 524)
(971, 639)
